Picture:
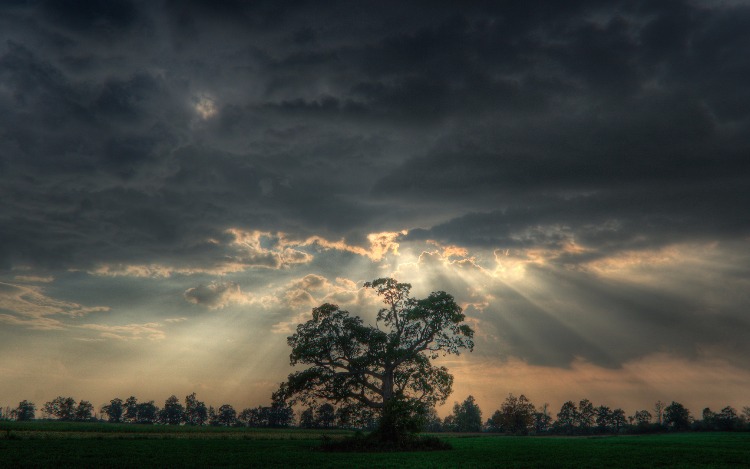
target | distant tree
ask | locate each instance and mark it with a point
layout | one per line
(61, 408)
(274, 416)
(307, 418)
(603, 418)
(25, 411)
(146, 413)
(386, 368)
(517, 414)
(659, 411)
(172, 413)
(281, 415)
(114, 410)
(494, 424)
(586, 415)
(642, 417)
(345, 416)
(83, 411)
(676, 416)
(226, 415)
(213, 418)
(618, 420)
(542, 419)
(567, 418)
(246, 417)
(467, 416)
(432, 422)
(727, 419)
(449, 424)
(195, 412)
(131, 410)
(325, 416)
(708, 419)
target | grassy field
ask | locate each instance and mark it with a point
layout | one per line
(104, 445)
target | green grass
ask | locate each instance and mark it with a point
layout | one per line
(101, 445)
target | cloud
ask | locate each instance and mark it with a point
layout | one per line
(301, 295)
(217, 295)
(33, 279)
(175, 320)
(128, 332)
(28, 306)
(311, 282)
(380, 244)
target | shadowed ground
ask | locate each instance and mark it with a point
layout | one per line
(81, 445)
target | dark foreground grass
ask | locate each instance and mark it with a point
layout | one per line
(31, 448)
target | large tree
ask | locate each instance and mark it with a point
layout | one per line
(386, 367)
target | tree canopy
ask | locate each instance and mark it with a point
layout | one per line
(386, 367)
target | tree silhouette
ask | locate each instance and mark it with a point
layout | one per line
(727, 419)
(196, 412)
(146, 412)
(83, 411)
(467, 417)
(517, 414)
(226, 415)
(618, 420)
(25, 411)
(603, 418)
(277, 415)
(131, 410)
(114, 410)
(325, 416)
(642, 417)
(61, 408)
(387, 370)
(567, 417)
(307, 418)
(659, 411)
(542, 419)
(676, 416)
(586, 414)
(172, 413)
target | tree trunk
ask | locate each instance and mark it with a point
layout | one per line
(388, 428)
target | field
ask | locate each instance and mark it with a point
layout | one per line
(104, 445)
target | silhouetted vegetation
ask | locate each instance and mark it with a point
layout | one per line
(388, 371)
(466, 417)
(516, 416)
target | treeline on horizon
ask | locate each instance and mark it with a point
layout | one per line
(516, 416)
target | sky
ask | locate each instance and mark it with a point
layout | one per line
(181, 182)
